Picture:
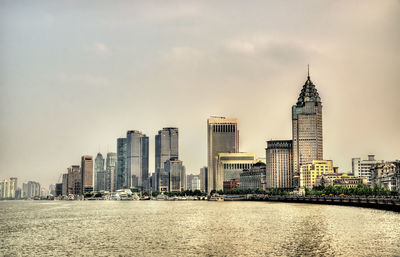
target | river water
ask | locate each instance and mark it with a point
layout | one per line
(194, 228)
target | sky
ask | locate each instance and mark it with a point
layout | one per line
(76, 75)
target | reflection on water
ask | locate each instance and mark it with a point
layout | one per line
(156, 228)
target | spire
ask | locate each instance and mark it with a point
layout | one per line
(308, 93)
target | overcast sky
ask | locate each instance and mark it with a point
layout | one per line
(76, 75)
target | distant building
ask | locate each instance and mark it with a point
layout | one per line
(193, 182)
(86, 174)
(279, 157)
(7, 189)
(334, 179)
(121, 177)
(254, 178)
(362, 168)
(65, 182)
(203, 179)
(58, 191)
(386, 175)
(111, 161)
(163, 181)
(74, 180)
(137, 158)
(99, 168)
(166, 147)
(223, 137)
(231, 165)
(306, 128)
(309, 172)
(231, 184)
(31, 189)
(177, 174)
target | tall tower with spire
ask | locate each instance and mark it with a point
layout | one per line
(306, 127)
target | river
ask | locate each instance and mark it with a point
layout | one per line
(194, 228)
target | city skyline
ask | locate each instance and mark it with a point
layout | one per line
(246, 74)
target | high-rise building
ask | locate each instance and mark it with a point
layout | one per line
(177, 174)
(137, 158)
(203, 179)
(231, 165)
(166, 147)
(306, 128)
(309, 172)
(110, 169)
(65, 182)
(86, 174)
(99, 168)
(193, 182)
(7, 189)
(279, 164)
(223, 137)
(31, 189)
(362, 168)
(74, 179)
(121, 173)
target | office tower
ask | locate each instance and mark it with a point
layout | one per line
(86, 174)
(362, 168)
(306, 128)
(192, 182)
(231, 165)
(15, 182)
(7, 189)
(166, 147)
(137, 158)
(177, 174)
(65, 183)
(58, 191)
(309, 172)
(121, 173)
(31, 189)
(223, 137)
(74, 179)
(203, 179)
(279, 156)
(110, 169)
(98, 168)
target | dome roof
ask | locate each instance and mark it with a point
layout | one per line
(308, 93)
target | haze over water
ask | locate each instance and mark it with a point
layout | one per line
(156, 228)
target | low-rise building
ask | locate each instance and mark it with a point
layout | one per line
(254, 178)
(310, 170)
(335, 179)
(386, 175)
(231, 184)
(362, 168)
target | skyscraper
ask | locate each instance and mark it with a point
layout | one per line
(223, 137)
(137, 158)
(121, 174)
(98, 168)
(203, 179)
(74, 179)
(306, 128)
(110, 169)
(279, 169)
(166, 147)
(177, 174)
(87, 174)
